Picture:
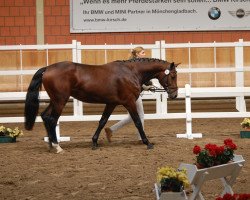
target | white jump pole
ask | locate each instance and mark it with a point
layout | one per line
(189, 133)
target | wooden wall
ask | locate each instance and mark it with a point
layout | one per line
(247, 63)
(204, 58)
(11, 60)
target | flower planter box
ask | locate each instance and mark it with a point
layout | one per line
(245, 134)
(227, 173)
(169, 195)
(7, 139)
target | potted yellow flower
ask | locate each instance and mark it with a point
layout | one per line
(246, 125)
(171, 183)
(8, 135)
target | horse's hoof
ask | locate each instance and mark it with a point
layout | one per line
(55, 148)
(60, 151)
(150, 146)
(56, 151)
(94, 147)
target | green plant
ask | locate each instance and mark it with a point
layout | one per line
(245, 123)
(10, 132)
(213, 155)
(171, 179)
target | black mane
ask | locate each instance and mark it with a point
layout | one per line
(142, 60)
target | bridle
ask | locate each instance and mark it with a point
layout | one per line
(156, 89)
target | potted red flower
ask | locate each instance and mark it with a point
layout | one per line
(213, 154)
(234, 197)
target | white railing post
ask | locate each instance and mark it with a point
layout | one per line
(189, 64)
(188, 133)
(77, 105)
(162, 50)
(188, 112)
(74, 51)
(164, 96)
(78, 52)
(215, 66)
(164, 102)
(239, 74)
(156, 52)
(21, 67)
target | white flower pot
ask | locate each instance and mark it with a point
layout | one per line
(169, 195)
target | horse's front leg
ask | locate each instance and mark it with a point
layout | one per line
(137, 121)
(105, 116)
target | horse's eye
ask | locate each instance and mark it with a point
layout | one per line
(173, 74)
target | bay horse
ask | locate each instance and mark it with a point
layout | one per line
(114, 83)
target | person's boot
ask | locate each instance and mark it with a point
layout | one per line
(108, 134)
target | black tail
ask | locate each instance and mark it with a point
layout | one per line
(32, 99)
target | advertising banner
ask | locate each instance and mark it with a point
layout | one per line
(158, 15)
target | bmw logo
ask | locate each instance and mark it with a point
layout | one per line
(214, 13)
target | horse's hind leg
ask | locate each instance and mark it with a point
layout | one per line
(105, 116)
(50, 117)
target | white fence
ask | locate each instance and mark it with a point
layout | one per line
(158, 50)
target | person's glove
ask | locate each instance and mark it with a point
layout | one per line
(147, 87)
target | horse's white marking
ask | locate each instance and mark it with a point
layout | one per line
(166, 71)
(57, 147)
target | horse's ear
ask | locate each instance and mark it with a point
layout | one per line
(172, 65)
(177, 64)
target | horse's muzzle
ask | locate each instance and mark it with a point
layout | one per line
(173, 94)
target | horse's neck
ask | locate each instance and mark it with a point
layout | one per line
(148, 71)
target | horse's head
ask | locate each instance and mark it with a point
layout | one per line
(168, 80)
